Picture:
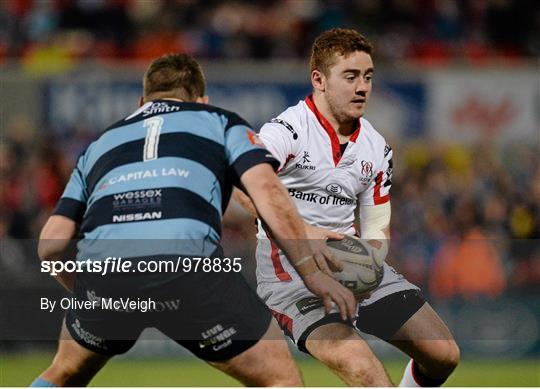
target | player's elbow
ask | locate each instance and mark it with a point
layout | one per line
(55, 237)
(266, 191)
(50, 247)
(43, 250)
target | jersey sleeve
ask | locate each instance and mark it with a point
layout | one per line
(278, 136)
(244, 149)
(72, 203)
(378, 191)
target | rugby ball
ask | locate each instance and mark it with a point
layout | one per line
(362, 268)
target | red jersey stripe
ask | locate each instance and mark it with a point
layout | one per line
(334, 140)
(377, 198)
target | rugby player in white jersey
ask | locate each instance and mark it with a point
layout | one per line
(332, 161)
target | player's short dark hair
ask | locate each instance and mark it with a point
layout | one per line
(174, 75)
(335, 42)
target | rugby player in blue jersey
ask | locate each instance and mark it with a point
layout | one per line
(182, 156)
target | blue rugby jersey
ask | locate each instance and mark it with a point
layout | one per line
(164, 172)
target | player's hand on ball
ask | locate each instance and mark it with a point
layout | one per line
(330, 290)
(326, 260)
(363, 264)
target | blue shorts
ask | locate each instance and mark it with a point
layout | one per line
(214, 315)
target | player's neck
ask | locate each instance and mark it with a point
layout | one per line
(172, 99)
(343, 129)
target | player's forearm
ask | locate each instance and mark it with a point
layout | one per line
(51, 249)
(375, 221)
(279, 214)
(375, 226)
(55, 238)
(245, 202)
(55, 242)
(67, 280)
(56, 250)
(286, 227)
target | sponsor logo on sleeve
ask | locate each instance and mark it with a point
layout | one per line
(389, 173)
(387, 150)
(286, 125)
(254, 139)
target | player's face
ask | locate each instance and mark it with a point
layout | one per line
(348, 86)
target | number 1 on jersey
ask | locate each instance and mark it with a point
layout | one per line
(153, 126)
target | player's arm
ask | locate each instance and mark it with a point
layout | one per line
(245, 202)
(54, 242)
(273, 205)
(375, 226)
(56, 237)
(316, 235)
(375, 208)
(276, 209)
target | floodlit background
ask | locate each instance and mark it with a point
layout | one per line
(456, 94)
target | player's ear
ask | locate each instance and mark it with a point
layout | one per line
(318, 80)
(141, 101)
(203, 99)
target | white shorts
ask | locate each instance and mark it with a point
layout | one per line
(299, 311)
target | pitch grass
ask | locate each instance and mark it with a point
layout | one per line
(20, 370)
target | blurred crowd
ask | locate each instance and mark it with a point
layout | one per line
(466, 221)
(424, 30)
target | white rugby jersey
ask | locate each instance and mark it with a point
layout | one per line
(325, 185)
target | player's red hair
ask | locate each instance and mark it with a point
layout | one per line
(333, 43)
